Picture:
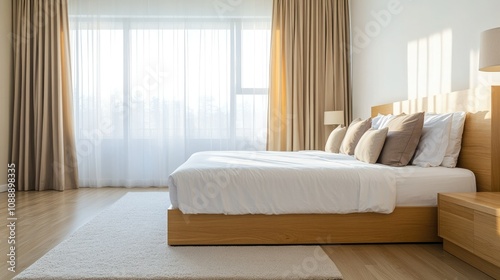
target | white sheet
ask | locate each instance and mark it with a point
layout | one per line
(417, 186)
(280, 183)
(305, 182)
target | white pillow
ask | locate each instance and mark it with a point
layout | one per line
(455, 143)
(381, 121)
(434, 140)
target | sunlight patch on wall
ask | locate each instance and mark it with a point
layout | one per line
(429, 65)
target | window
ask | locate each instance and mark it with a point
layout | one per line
(150, 91)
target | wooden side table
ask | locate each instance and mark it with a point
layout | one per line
(469, 224)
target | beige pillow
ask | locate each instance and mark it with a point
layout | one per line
(353, 134)
(370, 145)
(335, 139)
(402, 139)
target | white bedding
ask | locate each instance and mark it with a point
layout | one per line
(303, 182)
(417, 186)
(279, 183)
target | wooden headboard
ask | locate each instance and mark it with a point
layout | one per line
(480, 151)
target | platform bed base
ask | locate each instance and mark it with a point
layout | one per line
(405, 224)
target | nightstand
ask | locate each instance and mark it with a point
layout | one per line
(469, 224)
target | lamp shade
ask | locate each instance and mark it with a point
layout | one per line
(334, 117)
(489, 53)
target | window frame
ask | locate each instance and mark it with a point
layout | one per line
(236, 28)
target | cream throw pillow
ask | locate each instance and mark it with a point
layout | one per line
(335, 139)
(370, 145)
(402, 139)
(353, 134)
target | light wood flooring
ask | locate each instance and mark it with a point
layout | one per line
(47, 218)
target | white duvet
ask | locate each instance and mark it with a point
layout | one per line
(280, 183)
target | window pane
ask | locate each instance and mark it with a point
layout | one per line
(165, 88)
(208, 82)
(255, 47)
(98, 77)
(144, 100)
(251, 122)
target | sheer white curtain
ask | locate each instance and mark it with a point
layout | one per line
(156, 81)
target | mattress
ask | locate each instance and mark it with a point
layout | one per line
(419, 186)
(304, 182)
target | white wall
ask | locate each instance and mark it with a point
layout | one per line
(412, 48)
(5, 86)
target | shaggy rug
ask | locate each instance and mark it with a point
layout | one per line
(128, 241)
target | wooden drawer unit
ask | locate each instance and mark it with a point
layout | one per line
(487, 243)
(456, 224)
(469, 224)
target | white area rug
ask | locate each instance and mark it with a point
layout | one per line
(128, 241)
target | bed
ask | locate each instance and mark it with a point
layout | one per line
(408, 222)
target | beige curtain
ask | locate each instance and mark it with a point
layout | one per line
(309, 71)
(43, 145)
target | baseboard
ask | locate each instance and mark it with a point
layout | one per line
(3, 188)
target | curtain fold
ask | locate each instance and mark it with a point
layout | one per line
(309, 71)
(43, 144)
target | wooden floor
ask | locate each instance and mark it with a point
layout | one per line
(47, 218)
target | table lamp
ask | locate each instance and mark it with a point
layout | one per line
(334, 117)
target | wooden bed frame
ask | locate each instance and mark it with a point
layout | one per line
(480, 153)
